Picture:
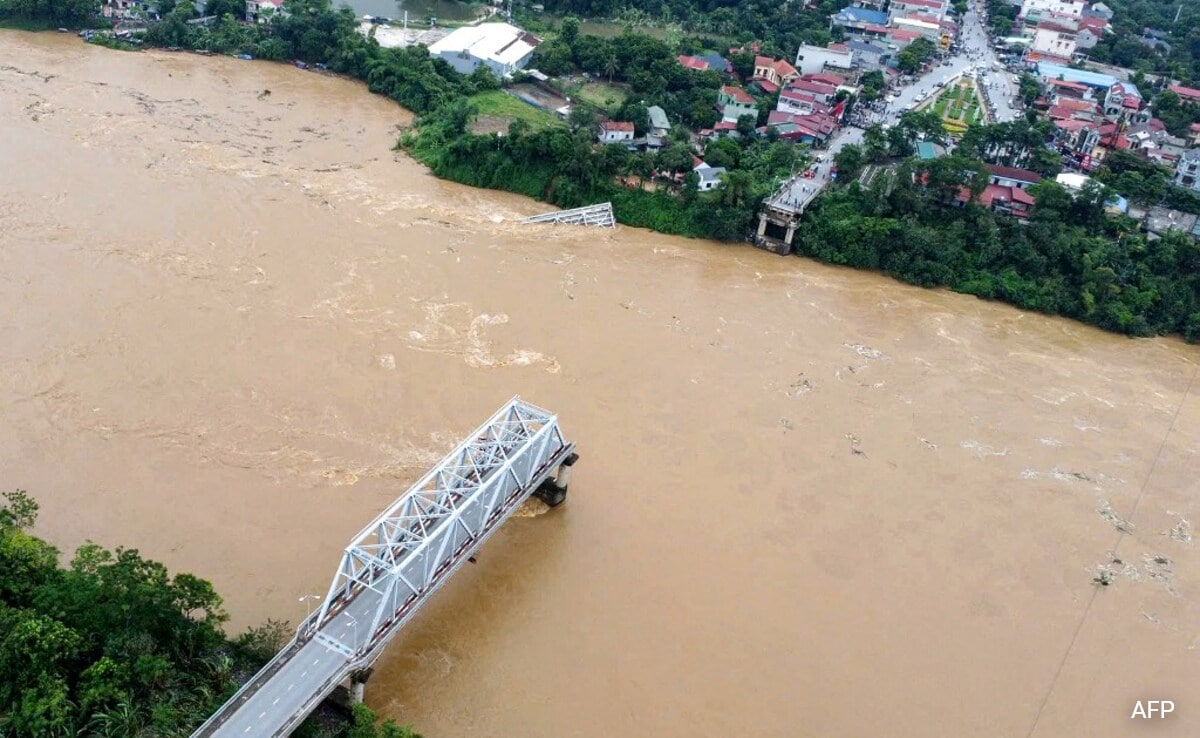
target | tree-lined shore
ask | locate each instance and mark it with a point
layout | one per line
(114, 646)
(1070, 258)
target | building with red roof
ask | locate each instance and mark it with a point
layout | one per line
(694, 63)
(1190, 94)
(616, 132)
(734, 102)
(1012, 176)
(1003, 199)
(775, 72)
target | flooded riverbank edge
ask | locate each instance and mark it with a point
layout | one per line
(810, 496)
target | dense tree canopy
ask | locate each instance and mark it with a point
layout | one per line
(782, 27)
(54, 12)
(1072, 257)
(114, 645)
(1180, 58)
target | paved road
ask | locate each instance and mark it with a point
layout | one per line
(797, 192)
(303, 680)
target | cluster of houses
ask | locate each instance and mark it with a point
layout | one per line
(875, 35)
(1060, 31)
(1095, 113)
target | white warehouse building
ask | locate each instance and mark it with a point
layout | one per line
(502, 48)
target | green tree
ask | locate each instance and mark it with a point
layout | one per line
(850, 162)
(221, 8)
(569, 32)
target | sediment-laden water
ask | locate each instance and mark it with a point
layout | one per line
(811, 501)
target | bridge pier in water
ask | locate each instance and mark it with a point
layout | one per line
(358, 685)
(553, 492)
(394, 564)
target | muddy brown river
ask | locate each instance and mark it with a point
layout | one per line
(811, 501)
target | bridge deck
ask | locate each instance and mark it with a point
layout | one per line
(409, 551)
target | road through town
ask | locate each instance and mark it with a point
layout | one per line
(795, 194)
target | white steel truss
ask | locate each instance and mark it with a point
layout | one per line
(402, 554)
(593, 215)
(396, 562)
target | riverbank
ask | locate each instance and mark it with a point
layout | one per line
(1102, 275)
(245, 311)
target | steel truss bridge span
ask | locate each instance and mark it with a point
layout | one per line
(394, 564)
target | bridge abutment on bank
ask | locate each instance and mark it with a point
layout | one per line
(777, 228)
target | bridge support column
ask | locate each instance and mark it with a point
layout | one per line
(358, 685)
(553, 492)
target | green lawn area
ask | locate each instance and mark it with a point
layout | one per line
(496, 104)
(602, 94)
(959, 107)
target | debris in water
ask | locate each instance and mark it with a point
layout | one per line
(1182, 531)
(1158, 568)
(1122, 525)
(854, 442)
(800, 387)
(864, 351)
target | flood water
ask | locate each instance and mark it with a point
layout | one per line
(810, 501)
(418, 10)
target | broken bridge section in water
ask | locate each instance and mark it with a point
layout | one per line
(592, 215)
(394, 564)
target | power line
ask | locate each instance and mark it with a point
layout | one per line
(1120, 537)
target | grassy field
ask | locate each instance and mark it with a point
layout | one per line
(496, 104)
(602, 94)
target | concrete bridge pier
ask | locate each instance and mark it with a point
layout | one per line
(358, 685)
(777, 228)
(553, 492)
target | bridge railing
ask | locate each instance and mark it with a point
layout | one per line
(411, 549)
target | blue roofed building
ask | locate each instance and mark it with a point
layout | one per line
(1095, 80)
(861, 21)
(716, 62)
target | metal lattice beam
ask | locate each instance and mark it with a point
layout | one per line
(399, 553)
(395, 563)
(593, 215)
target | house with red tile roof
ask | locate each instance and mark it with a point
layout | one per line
(822, 92)
(616, 131)
(1190, 94)
(734, 102)
(775, 73)
(903, 38)
(1067, 88)
(694, 63)
(1012, 176)
(1000, 198)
